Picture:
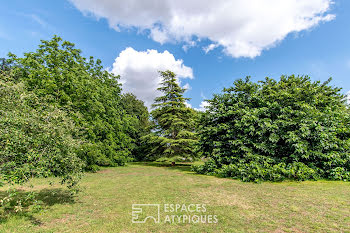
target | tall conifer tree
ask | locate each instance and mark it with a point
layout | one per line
(173, 132)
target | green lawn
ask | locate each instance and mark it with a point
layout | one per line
(105, 204)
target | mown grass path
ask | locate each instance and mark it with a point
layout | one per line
(105, 205)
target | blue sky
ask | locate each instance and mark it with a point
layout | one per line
(322, 50)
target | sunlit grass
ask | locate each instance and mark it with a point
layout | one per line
(105, 203)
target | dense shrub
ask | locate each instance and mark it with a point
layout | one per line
(35, 138)
(273, 130)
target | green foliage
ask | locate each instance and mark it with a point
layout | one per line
(61, 113)
(35, 138)
(274, 130)
(140, 124)
(86, 92)
(14, 202)
(173, 131)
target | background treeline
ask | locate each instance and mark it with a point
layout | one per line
(61, 113)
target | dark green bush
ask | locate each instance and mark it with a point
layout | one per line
(275, 130)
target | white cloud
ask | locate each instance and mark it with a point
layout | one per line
(187, 87)
(202, 106)
(188, 45)
(139, 71)
(159, 35)
(38, 20)
(244, 28)
(210, 48)
(348, 97)
(188, 105)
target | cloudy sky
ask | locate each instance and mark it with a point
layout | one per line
(207, 43)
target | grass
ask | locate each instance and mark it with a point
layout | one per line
(105, 204)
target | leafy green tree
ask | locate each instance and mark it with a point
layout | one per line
(35, 138)
(86, 92)
(140, 122)
(273, 130)
(173, 131)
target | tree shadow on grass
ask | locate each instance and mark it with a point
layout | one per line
(47, 198)
(185, 167)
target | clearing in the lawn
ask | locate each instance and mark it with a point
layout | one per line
(105, 204)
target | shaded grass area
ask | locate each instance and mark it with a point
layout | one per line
(47, 197)
(105, 204)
